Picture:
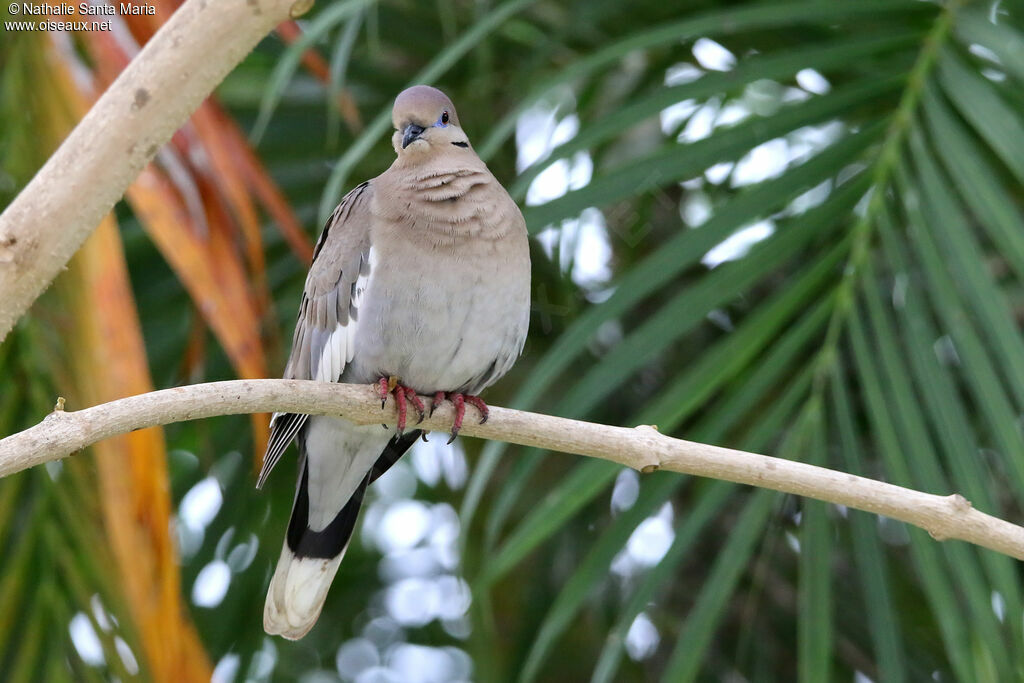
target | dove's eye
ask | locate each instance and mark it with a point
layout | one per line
(444, 118)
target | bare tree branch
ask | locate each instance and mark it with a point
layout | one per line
(179, 66)
(643, 448)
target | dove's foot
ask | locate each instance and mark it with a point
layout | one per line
(460, 401)
(403, 396)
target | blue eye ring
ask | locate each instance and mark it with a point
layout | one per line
(443, 120)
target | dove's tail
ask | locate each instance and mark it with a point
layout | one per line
(308, 563)
(339, 461)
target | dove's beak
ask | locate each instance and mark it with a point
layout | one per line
(412, 133)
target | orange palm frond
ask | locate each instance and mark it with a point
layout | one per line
(110, 362)
(207, 265)
(263, 186)
(135, 491)
(198, 202)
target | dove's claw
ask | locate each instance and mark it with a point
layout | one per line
(403, 397)
(479, 404)
(438, 400)
(416, 403)
(460, 401)
(400, 404)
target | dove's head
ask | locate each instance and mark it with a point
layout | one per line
(425, 123)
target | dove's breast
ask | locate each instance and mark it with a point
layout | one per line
(448, 313)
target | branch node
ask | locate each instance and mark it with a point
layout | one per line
(648, 428)
(959, 503)
(650, 467)
(300, 8)
(7, 253)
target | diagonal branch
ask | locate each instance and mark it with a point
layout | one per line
(945, 517)
(179, 66)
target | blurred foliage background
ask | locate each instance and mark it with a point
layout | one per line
(787, 227)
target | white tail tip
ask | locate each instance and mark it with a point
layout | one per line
(297, 593)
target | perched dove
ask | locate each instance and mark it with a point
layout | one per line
(420, 284)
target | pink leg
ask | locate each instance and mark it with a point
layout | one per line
(460, 411)
(416, 402)
(460, 401)
(439, 397)
(479, 404)
(403, 397)
(400, 404)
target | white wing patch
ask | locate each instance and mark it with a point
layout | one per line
(319, 352)
(334, 355)
(340, 348)
(359, 288)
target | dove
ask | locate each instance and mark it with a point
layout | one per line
(420, 286)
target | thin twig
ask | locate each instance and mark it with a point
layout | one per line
(643, 448)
